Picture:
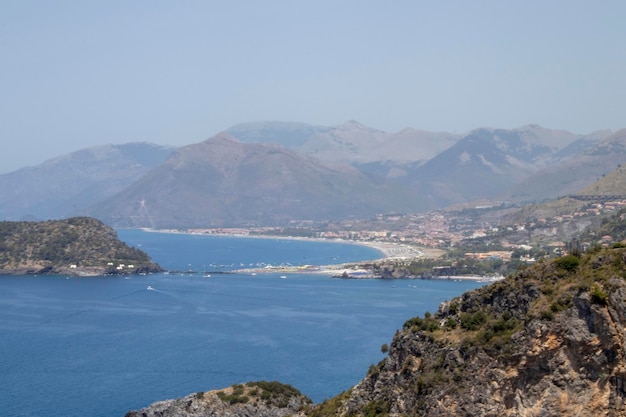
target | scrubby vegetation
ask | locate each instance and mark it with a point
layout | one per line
(491, 323)
(330, 406)
(272, 394)
(541, 292)
(46, 247)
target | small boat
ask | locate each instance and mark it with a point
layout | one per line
(150, 288)
(283, 276)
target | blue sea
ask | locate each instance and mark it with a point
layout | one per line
(101, 346)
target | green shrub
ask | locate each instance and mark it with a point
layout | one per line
(451, 323)
(503, 325)
(598, 296)
(413, 322)
(429, 324)
(568, 262)
(562, 303)
(454, 308)
(472, 321)
(376, 408)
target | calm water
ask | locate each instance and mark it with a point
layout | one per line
(102, 346)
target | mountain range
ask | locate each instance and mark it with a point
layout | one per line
(223, 182)
(271, 173)
(65, 186)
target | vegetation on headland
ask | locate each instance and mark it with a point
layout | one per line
(272, 394)
(77, 246)
(262, 398)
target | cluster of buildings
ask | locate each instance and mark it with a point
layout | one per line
(446, 229)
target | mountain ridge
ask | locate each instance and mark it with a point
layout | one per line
(425, 170)
(222, 181)
(575, 173)
(64, 186)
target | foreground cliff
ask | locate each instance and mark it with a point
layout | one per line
(75, 246)
(547, 341)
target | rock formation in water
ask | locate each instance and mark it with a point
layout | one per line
(74, 246)
(262, 399)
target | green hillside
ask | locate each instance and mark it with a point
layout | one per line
(76, 246)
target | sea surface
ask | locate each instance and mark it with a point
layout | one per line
(101, 346)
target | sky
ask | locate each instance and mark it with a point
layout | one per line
(77, 74)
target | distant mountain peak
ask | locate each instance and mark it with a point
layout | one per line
(353, 124)
(444, 168)
(66, 185)
(225, 182)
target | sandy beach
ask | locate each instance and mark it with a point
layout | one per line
(392, 250)
(388, 250)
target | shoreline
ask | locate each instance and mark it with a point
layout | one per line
(345, 270)
(387, 250)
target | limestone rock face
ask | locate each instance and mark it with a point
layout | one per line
(545, 342)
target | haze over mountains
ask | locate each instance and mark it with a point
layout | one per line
(222, 181)
(64, 186)
(350, 142)
(270, 173)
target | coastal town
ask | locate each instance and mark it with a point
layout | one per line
(487, 233)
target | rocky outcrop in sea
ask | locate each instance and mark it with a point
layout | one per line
(254, 399)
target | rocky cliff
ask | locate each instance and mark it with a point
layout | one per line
(548, 340)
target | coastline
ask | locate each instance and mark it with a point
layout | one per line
(348, 270)
(388, 250)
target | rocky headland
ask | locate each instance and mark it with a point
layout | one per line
(263, 399)
(79, 246)
(548, 340)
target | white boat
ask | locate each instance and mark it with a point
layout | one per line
(283, 276)
(149, 288)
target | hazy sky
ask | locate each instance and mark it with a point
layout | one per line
(81, 73)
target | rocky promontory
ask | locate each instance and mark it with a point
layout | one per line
(548, 340)
(262, 399)
(79, 246)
